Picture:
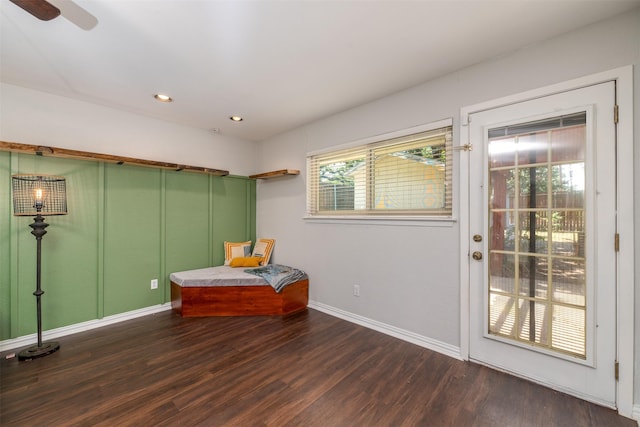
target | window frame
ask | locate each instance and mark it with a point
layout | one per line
(402, 217)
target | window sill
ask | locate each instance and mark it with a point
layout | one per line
(414, 221)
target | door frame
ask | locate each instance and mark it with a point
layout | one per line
(625, 279)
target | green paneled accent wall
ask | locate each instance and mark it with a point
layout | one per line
(131, 237)
(187, 231)
(5, 244)
(126, 225)
(230, 196)
(69, 251)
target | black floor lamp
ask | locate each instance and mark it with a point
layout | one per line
(38, 195)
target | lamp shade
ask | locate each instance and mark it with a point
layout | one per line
(44, 194)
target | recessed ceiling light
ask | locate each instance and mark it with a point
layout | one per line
(236, 118)
(163, 98)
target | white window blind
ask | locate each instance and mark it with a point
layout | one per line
(403, 175)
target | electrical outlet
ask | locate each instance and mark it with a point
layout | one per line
(356, 290)
(154, 283)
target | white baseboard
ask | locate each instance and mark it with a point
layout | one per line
(28, 340)
(422, 341)
(635, 413)
(402, 334)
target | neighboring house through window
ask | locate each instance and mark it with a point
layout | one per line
(400, 174)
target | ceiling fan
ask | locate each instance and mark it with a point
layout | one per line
(48, 10)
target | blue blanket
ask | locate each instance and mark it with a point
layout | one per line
(278, 275)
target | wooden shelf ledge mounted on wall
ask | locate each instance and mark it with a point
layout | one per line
(275, 174)
(41, 150)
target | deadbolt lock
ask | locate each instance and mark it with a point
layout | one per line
(477, 255)
(477, 238)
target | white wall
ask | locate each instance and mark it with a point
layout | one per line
(409, 274)
(32, 117)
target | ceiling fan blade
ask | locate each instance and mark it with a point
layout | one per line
(76, 14)
(41, 9)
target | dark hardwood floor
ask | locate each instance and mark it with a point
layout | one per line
(308, 369)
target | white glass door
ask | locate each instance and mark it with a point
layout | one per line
(542, 222)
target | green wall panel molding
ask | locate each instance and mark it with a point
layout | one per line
(5, 244)
(126, 225)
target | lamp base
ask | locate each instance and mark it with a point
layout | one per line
(34, 352)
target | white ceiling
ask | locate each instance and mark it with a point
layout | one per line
(279, 64)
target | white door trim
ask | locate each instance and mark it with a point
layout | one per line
(625, 222)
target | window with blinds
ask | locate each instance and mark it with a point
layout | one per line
(403, 175)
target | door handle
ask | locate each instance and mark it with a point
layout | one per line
(477, 255)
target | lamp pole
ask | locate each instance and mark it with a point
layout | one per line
(38, 227)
